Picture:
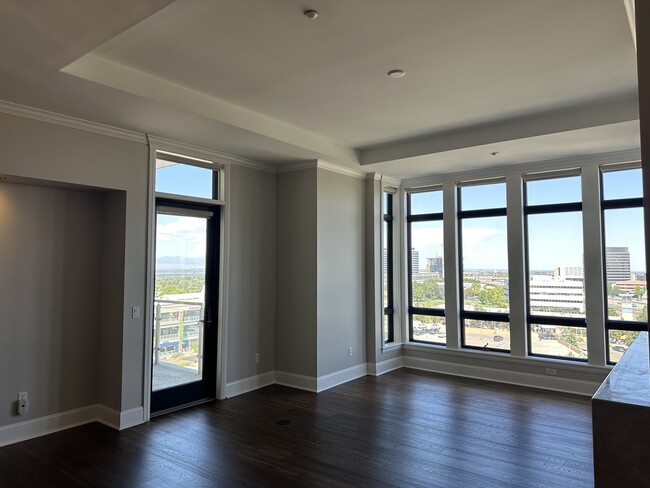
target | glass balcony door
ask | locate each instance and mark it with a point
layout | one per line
(184, 332)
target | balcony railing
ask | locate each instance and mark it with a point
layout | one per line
(183, 347)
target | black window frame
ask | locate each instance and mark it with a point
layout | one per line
(412, 310)
(389, 309)
(549, 208)
(473, 214)
(614, 204)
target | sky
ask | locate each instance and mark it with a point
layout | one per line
(555, 240)
(180, 236)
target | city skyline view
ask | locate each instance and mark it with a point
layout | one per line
(556, 239)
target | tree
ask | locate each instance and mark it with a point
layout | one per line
(612, 290)
(612, 311)
(427, 291)
(643, 314)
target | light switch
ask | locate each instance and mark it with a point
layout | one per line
(135, 312)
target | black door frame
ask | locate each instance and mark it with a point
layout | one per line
(174, 398)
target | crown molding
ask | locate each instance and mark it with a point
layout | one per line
(625, 156)
(72, 122)
(318, 163)
(297, 166)
(128, 135)
(334, 168)
(165, 144)
(388, 180)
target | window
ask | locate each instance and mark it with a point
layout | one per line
(178, 175)
(387, 269)
(484, 314)
(555, 277)
(624, 258)
(426, 274)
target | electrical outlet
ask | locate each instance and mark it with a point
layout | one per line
(23, 403)
(257, 357)
(551, 371)
(350, 351)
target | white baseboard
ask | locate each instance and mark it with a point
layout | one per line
(299, 381)
(132, 417)
(554, 383)
(331, 380)
(385, 366)
(28, 429)
(249, 384)
(108, 416)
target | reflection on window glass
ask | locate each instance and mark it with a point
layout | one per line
(426, 202)
(479, 197)
(556, 277)
(183, 179)
(619, 342)
(487, 334)
(553, 190)
(558, 340)
(427, 276)
(429, 328)
(622, 184)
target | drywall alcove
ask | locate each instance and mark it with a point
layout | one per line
(61, 296)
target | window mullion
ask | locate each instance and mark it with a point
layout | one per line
(593, 265)
(450, 239)
(516, 267)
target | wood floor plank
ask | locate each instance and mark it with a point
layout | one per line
(405, 428)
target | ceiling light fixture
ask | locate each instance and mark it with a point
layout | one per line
(396, 73)
(493, 154)
(310, 14)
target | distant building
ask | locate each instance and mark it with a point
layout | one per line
(415, 261)
(550, 293)
(569, 272)
(554, 294)
(630, 286)
(617, 262)
(422, 277)
(434, 265)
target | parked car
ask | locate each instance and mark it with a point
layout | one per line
(497, 338)
(619, 348)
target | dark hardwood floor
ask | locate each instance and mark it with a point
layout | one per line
(406, 428)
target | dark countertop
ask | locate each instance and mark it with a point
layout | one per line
(629, 381)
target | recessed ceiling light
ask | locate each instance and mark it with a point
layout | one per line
(396, 73)
(310, 14)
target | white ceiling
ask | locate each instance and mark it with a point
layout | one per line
(531, 79)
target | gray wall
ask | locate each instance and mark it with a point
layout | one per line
(111, 281)
(251, 291)
(39, 150)
(51, 243)
(340, 272)
(296, 277)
